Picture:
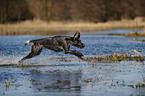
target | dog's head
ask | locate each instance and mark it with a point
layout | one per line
(75, 41)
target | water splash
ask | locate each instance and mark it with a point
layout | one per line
(11, 59)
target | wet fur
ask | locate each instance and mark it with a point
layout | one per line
(57, 44)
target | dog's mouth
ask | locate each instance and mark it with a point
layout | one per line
(83, 45)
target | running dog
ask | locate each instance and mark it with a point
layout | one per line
(57, 44)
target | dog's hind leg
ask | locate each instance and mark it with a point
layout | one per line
(35, 50)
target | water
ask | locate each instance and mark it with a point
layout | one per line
(64, 74)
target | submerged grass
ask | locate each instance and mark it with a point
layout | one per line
(114, 83)
(52, 28)
(140, 84)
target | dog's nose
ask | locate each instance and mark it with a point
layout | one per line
(83, 45)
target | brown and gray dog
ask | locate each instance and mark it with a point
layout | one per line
(57, 44)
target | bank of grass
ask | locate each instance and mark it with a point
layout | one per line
(37, 27)
(135, 34)
(118, 57)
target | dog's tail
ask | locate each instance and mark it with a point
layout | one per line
(27, 42)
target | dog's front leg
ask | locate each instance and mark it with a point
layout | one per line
(74, 52)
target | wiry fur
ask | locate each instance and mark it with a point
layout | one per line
(57, 44)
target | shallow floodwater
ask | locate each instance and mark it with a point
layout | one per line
(66, 75)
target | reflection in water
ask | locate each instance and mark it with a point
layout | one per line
(56, 80)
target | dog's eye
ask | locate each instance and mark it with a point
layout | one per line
(79, 40)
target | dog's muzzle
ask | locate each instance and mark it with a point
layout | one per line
(82, 46)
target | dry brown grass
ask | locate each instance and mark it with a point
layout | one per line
(38, 27)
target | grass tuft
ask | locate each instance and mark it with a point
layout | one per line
(117, 57)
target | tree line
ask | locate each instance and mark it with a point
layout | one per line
(70, 10)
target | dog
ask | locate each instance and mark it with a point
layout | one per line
(57, 44)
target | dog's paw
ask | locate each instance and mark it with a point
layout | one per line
(20, 62)
(81, 57)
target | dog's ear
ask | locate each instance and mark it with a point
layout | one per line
(76, 35)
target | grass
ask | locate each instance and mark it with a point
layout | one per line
(114, 83)
(117, 57)
(135, 34)
(8, 83)
(38, 27)
(112, 58)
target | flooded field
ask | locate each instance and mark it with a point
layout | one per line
(60, 74)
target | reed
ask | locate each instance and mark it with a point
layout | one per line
(8, 83)
(117, 82)
(86, 80)
(52, 28)
(111, 82)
